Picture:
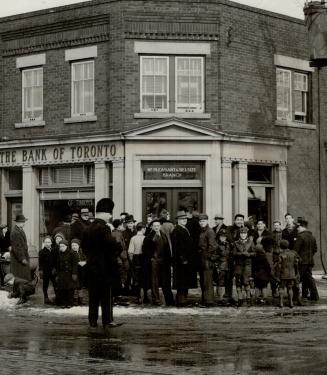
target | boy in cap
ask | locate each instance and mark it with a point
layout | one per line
(48, 257)
(288, 271)
(21, 288)
(224, 252)
(243, 254)
(66, 278)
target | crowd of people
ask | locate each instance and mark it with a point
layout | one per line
(121, 260)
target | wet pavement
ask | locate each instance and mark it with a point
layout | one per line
(247, 340)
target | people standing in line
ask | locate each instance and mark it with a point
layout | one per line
(233, 234)
(166, 225)
(19, 257)
(184, 257)
(75, 244)
(128, 233)
(207, 252)
(219, 224)
(222, 263)
(136, 257)
(260, 232)
(243, 254)
(157, 265)
(287, 272)
(289, 233)
(48, 259)
(306, 247)
(66, 275)
(101, 252)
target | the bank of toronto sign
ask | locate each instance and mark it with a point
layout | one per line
(59, 154)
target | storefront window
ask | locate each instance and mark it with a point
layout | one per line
(15, 179)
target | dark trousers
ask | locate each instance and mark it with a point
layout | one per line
(181, 296)
(206, 282)
(65, 297)
(100, 295)
(229, 281)
(137, 274)
(161, 275)
(308, 282)
(47, 277)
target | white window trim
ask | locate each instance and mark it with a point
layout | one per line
(81, 53)
(30, 60)
(31, 120)
(172, 48)
(86, 114)
(202, 86)
(292, 63)
(141, 83)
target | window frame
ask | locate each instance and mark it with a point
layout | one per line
(144, 110)
(201, 108)
(31, 119)
(293, 113)
(82, 114)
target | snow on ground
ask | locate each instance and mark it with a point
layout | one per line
(7, 303)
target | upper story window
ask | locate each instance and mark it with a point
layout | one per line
(32, 92)
(172, 84)
(83, 88)
(292, 95)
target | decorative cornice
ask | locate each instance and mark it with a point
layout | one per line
(244, 161)
(57, 44)
(170, 36)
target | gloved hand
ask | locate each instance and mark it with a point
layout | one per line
(24, 261)
(74, 277)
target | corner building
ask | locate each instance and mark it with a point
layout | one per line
(202, 105)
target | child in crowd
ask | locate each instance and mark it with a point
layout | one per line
(288, 272)
(135, 256)
(66, 278)
(81, 270)
(262, 273)
(48, 258)
(21, 288)
(243, 254)
(221, 264)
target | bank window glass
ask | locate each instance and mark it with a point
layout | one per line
(260, 174)
(74, 176)
(154, 83)
(292, 95)
(189, 84)
(83, 88)
(15, 179)
(32, 91)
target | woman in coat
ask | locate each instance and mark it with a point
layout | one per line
(184, 268)
(19, 258)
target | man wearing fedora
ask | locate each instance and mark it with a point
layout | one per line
(19, 259)
(102, 252)
(184, 258)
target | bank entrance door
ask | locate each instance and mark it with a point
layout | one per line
(171, 199)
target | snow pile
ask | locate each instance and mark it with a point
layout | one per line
(5, 302)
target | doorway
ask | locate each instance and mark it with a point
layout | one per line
(172, 200)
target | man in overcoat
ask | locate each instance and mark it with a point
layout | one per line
(184, 258)
(207, 251)
(19, 258)
(306, 247)
(157, 263)
(102, 252)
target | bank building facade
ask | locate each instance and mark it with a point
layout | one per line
(208, 106)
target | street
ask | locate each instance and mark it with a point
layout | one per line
(247, 340)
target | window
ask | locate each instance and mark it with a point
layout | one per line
(154, 83)
(189, 84)
(172, 84)
(292, 95)
(66, 176)
(83, 88)
(32, 82)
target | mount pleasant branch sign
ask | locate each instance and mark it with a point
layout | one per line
(60, 154)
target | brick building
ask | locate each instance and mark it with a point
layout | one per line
(206, 105)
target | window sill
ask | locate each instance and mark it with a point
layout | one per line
(202, 116)
(73, 120)
(294, 124)
(29, 124)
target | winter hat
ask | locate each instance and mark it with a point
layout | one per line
(219, 216)
(203, 217)
(130, 219)
(244, 230)
(59, 234)
(20, 218)
(284, 244)
(65, 242)
(222, 232)
(105, 205)
(7, 278)
(116, 223)
(75, 240)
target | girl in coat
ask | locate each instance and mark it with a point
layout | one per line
(243, 254)
(81, 271)
(262, 273)
(66, 278)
